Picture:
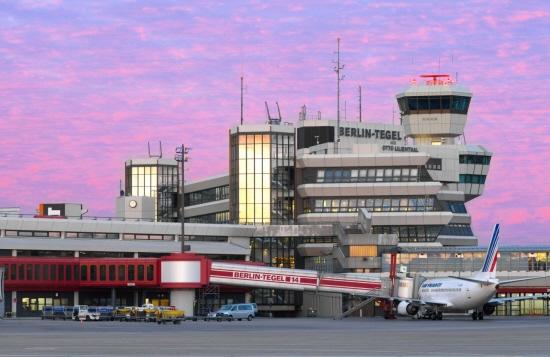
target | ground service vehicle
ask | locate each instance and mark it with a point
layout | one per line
(56, 312)
(81, 312)
(169, 314)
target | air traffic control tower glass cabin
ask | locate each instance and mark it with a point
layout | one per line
(262, 174)
(157, 178)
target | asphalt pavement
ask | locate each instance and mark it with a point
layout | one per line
(494, 336)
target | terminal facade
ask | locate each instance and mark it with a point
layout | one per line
(326, 195)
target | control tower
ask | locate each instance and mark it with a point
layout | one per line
(434, 112)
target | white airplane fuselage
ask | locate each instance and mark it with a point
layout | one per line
(456, 294)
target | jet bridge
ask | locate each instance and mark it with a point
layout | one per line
(292, 279)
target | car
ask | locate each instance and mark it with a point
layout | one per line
(236, 311)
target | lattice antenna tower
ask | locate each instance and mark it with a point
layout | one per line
(339, 77)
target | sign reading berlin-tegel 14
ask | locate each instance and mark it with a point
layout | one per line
(371, 133)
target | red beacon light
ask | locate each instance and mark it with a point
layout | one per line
(437, 79)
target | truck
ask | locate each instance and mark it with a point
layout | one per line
(166, 314)
(81, 313)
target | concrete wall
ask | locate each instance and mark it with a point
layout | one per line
(324, 304)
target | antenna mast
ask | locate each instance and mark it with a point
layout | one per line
(360, 109)
(242, 113)
(339, 77)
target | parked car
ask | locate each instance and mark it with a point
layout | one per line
(237, 311)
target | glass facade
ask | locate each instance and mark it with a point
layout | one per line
(434, 104)
(208, 195)
(158, 181)
(378, 204)
(411, 234)
(365, 174)
(466, 178)
(218, 217)
(474, 159)
(262, 178)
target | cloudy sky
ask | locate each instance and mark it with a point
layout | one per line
(85, 85)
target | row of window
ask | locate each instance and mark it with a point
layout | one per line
(130, 236)
(467, 178)
(208, 195)
(31, 272)
(382, 204)
(456, 207)
(117, 272)
(206, 238)
(41, 234)
(438, 104)
(218, 217)
(410, 233)
(91, 235)
(62, 272)
(456, 229)
(474, 159)
(350, 175)
(434, 164)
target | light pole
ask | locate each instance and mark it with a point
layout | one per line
(182, 155)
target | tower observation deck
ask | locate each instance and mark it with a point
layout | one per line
(434, 111)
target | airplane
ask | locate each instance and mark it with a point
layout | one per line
(459, 294)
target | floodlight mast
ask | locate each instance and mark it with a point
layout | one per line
(338, 68)
(182, 156)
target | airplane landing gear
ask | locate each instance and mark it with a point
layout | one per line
(477, 315)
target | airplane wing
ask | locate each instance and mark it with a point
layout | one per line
(416, 301)
(504, 282)
(482, 282)
(500, 301)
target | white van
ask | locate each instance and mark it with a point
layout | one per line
(237, 311)
(81, 312)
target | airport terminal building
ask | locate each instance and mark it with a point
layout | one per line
(319, 194)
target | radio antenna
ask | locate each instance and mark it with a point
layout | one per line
(338, 68)
(360, 109)
(242, 100)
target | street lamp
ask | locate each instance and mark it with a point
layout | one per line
(182, 156)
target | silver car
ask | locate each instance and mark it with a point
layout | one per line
(237, 311)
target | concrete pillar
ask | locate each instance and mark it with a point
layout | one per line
(247, 297)
(113, 297)
(76, 254)
(76, 298)
(2, 232)
(14, 303)
(136, 255)
(14, 252)
(183, 299)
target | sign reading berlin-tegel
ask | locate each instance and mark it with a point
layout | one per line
(371, 133)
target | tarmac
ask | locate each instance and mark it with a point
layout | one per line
(457, 336)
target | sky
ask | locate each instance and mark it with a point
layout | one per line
(84, 85)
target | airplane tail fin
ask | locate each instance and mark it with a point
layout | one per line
(489, 266)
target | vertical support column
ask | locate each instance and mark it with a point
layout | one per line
(183, 299)
(76, 254)
(113, 297)
(14, 252)
(2, 232)
(136, 255)
(13, 303)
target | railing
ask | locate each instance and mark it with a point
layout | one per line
(91, 218)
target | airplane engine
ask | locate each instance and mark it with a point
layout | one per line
(488, 309)
(406, 308)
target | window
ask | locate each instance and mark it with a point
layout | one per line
(475, 179)
(121, 273)
(150, 272)
(68, 272)
(93, 272)
(53, 272)
(61, 272)
(112, 271)
(37, 272)
(46, 272)
(131, 272)
(29, 272)
(140, 273)
(433, 164)
(83, 273)
(102, 273)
